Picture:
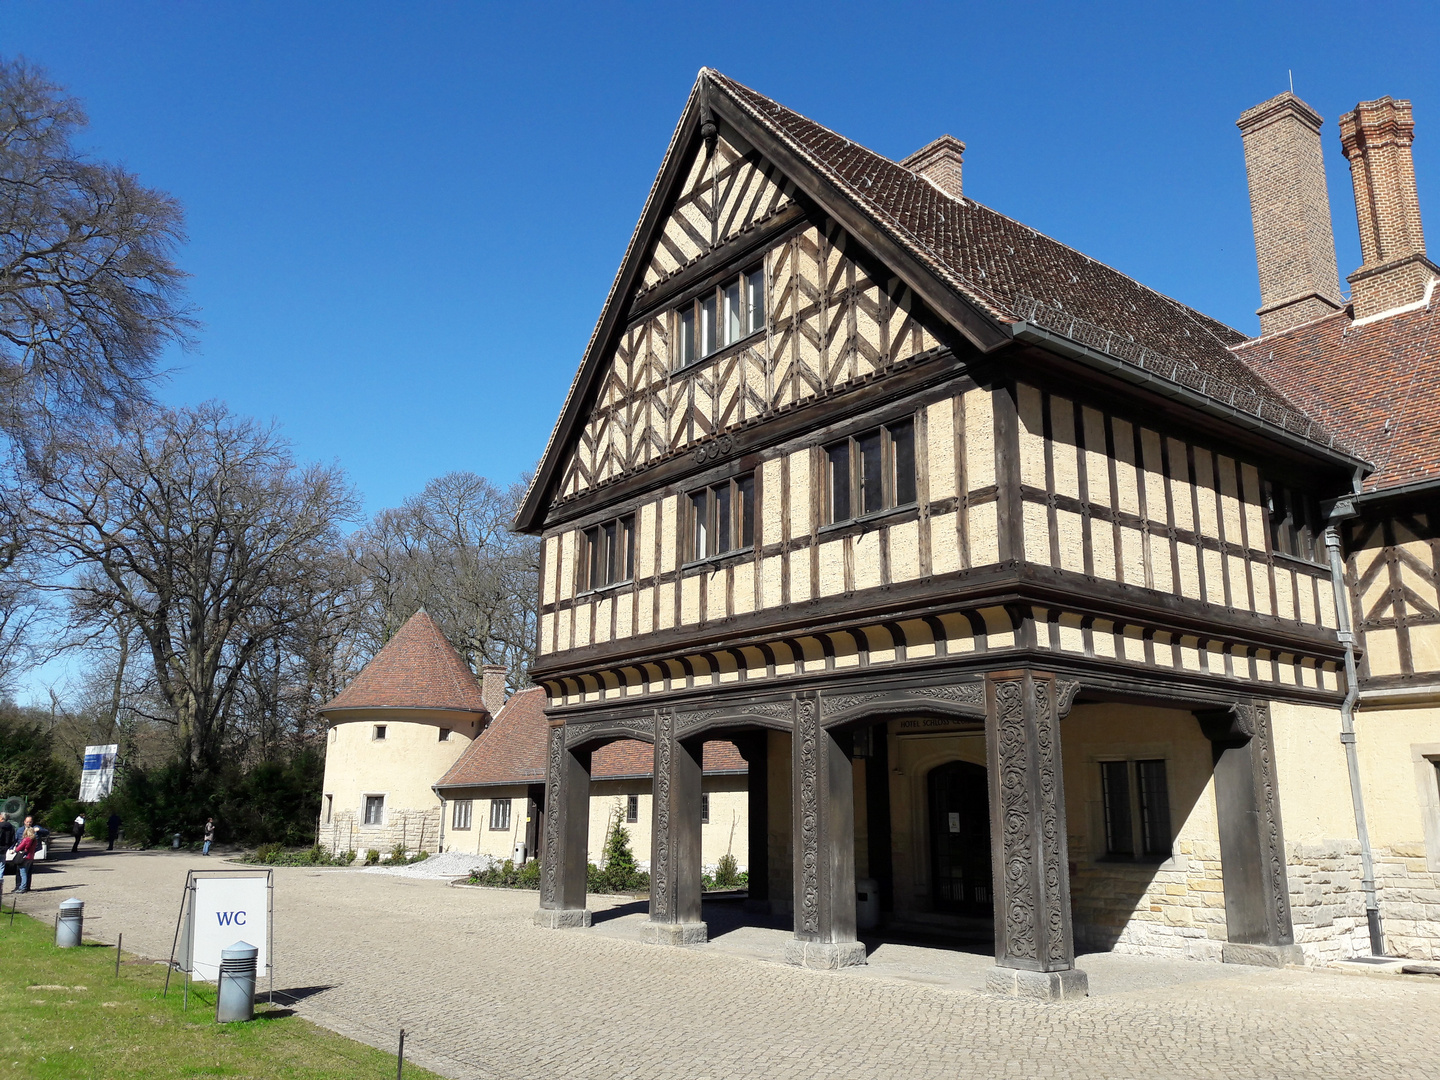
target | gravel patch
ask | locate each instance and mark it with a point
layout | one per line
(451, 864)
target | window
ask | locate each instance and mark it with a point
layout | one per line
(379, 731)
(704, 808)
(722, 517)
(460, 816)
(1137, 815)
(329, 807)
(632, 808)
(1295, 527)
(719, 317)
(444, 734)
(607, 554)
(871, 472)
(374, 809)
(499, 813)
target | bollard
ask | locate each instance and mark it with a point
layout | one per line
(235, 995)
(69, 923)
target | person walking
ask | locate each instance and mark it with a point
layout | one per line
(113, 828)
(77, 829)
(25, 857)
(209, 835)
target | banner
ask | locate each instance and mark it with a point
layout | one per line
(97, 775)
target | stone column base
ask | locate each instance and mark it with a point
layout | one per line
(824, 955)
(1276, 956)
(1065, 985)
(673, 933)
(562, 918)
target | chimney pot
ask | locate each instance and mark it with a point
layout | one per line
(939, 162)
(492, 687)
(1290, 211)
(1394, 271)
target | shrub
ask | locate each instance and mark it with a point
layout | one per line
(268, 853)
(345, 858)
(727, 872)
(372, 857)
(529, 875)
(397, 855)
(420, 856)
(620, 873)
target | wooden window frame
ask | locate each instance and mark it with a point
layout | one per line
(615, 564)
(463, 810)
(890, 478)
(500, 810)
(704, 808)
(696, 352)
(1293, 518)
(632, 809)
(365, 801)
(1143, 848)
(740, 490)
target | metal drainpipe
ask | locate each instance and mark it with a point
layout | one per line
(1347, 738)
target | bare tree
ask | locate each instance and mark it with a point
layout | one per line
(90, 296)
(450, 550)
(198, 529)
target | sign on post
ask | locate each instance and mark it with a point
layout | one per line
(217, 910)
(97, 775)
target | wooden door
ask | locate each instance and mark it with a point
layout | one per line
(960, 839)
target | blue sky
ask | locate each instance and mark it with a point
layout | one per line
(404, 218)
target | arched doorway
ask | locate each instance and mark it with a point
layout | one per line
(960, 839)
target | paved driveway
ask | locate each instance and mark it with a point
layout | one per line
(483, 993)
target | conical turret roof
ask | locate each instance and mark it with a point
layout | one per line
(417, 669)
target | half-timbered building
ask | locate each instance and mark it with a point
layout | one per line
(1006, 574)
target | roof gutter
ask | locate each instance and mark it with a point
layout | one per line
(1099, 361)
(1399, 491)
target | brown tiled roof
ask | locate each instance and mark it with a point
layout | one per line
(512, 751)
(1002, 266)
(417, 669)
(1376, 383)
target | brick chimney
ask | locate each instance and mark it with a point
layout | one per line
(1290, 210)
(939, 162)
(1394, 270)
(492, 687)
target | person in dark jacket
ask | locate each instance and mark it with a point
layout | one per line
(113, 828)
(77, 830)
(7, 841)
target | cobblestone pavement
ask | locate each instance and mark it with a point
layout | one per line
(484, 994)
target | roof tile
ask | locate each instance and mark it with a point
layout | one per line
(417, 669)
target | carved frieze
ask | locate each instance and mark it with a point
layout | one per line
(1016, 824)
(965, 694)
(696, 721)
(642, 727)
(553, 803)
(660, 862)
(808, 763)
(1267, 802)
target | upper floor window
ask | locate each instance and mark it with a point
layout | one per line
(1295, 527)
(870, 472)
(607, 553)
(380, 731)
(722, 517)
(719, 317)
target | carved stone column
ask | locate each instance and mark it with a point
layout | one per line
(675, 838)
(1252, 841)
(1034, 946)
(824, 831)
(566, 840)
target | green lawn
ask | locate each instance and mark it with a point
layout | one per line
(65, 1016)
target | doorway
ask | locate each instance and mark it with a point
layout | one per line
(960, 839)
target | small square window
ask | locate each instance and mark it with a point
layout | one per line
(704, 808)
(444, 734)
(632, 808)
(460, 816)
(499, 814)
(374, 809)
(379, 731)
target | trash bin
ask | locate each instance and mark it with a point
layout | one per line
(175, 841)
(867, 903)
(519, 854)
(235, 995)
(71, 923)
